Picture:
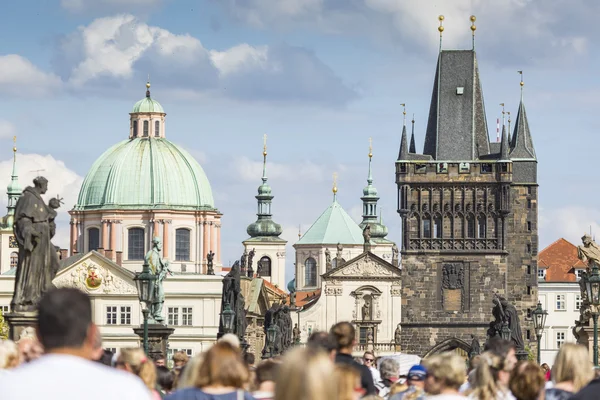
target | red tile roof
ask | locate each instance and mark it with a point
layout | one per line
(560, 260)
(305, 297)
(275, 288)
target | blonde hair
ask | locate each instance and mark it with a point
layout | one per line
(448, 368)
(572, 364)
(9, 354)
(222, 365)
(187, 378)
(347, 377)
(304, 374)
(140, 365)
(486, 376)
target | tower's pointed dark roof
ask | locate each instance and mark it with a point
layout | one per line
(521, 144)
(457, 127)
(403, 153)
(504, 145)
(413, 147)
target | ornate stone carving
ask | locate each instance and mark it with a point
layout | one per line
(452, 276)
(396, 291)
(331, 290)
(93, 278)
(366, 267)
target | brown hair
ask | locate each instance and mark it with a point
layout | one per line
(222, 365)
(140, 365)
(180, 356)
(527, 381)
(267, 371)
(343, 334)
(448, 368)
(347, 377)
(572, 364)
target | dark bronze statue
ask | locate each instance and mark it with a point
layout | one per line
(250, 259)
(34, 229)
(506, 313)
(232, 296)
(209, 263)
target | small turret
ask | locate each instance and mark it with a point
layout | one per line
(369, 199)
(413, 147)
(522, 144)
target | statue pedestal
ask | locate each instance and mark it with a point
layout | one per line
(158, 338)
(522, 355)
(18, 321)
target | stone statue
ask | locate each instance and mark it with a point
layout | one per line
(339, 253)
(397, 335)
(366, 311)
(327, 259)
(159, 267)
(590, 251)
(243, 261)
(395, 255)
(250, 259)
(504, 312)
(296, 334)
(475, 346)
(370, 336)
(292, 289)
(367, 234)
(232, 296)
(34, 228)
(209, 263)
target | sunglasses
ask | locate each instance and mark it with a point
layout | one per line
(368, 359)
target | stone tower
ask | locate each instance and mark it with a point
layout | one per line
(469, 217)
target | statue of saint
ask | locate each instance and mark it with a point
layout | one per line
(243, 261)
(209, 263)
(232, 296)
(250, 260)
(590, 251)
(512, 317)
(160, 268)
(34, 228)
(395, 255)
(327, 259)
(296, 333)
(475, 346)
(367, 234)
(397, 335)
(366, 311)
(370, 338)
(339, 252)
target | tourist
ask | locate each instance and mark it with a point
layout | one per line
(306, 374)
(589, 392)
(66, 331)
(266, 375)
(527, 381)
(416, 384)
(390, 373)
(547, 372)
(188, 374)
(492, 377)
(9, 356)
(222, 375)
(368, 360)
(134, 360)
(180, 358)
(445, 374)
(324, 341)
(29, 345)
(159, 360)
(344, 335)
(572, 370)
(232, 339)
(165, 378)
(106, 358)
(348, 382)
(98, 350)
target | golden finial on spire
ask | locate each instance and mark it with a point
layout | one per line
(503, 113)
(403, 105)
(299, 232)
(370, 147)
(508, 112)
(521, 73)
(265, 145)
(473, 29)
(148, 87)
(441, 29)
(14, 144)
(335, 189)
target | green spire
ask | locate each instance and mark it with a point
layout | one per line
(369, 199)
(264, 225)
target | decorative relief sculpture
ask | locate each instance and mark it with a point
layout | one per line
(90, 277)
(366, 267)
(452, 276)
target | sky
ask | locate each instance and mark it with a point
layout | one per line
(319, 77)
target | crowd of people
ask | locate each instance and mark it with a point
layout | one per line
(63, 359)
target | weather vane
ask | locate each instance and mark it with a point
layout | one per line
(441, 29)
(370, 147)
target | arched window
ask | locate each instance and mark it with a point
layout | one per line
(93, 239)
(264, 266)
(157, 128)
(182, 244)
(14, 259)
(135, 244)
(426, 226)
(437, 227)
(135, 128)
(458, 226)
(145, 128)
(470, 227)
(310, 272)
(481, 227)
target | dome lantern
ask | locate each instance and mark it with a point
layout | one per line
(147, 119)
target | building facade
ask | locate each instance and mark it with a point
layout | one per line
(469, 216)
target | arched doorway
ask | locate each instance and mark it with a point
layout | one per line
(457, 345)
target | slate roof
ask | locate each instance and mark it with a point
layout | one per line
(561, 261)
(332, 227)
(521, 142)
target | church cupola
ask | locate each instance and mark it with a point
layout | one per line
(147, 119)
(264, 225)
(369, 200)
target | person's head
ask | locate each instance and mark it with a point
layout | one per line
(165, 378)
(134, 360)
(187, 377)
(106, 358)
(266, 374)
(572, 364)
(491, 375)
(324, 341)
(416, 376)
(249, 359)
(159, 360)
(180, 359)
(545, 367)
(157, 243)
(389, 369)
(527, 381)
(29, 347)
(41, 184)
(9, 354)
(344, 335)
(65, 323)
(304, 374)
(348, 382)
(222, 366)
(445, 372)
(369, 359)
(504, 349)
(232, 339)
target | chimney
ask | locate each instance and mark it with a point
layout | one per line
(119, 258)
(109, 254)
(101, 250)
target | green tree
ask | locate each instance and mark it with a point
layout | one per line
(3, 327)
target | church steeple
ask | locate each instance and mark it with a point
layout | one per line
(413, 147)
(14, 189)
(264, 225)
(521, 142)
(369, 200)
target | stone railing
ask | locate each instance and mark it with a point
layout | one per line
(376, 347)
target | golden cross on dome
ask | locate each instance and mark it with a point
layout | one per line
(370, 147)
(335, 189)
(265, 145)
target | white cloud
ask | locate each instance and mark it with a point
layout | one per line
(79, 6)
(248, 170)
(7, 129)
(239, 57)
(569, 222)
(20, 77)
(61, 181)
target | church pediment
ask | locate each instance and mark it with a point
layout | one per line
(95, 274)
(365, 266)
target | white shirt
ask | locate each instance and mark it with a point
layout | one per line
(65, 377)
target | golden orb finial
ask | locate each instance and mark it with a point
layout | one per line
(441, 17)
(441, 28)
(334, 189)
(14, 144)
(522, 83)
(473, 18)
(370, 147)
(265, 145)
(147, 85)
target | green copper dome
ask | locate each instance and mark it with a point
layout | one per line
(145, 173)
(147, 105)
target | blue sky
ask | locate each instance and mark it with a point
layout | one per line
(318, 76)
